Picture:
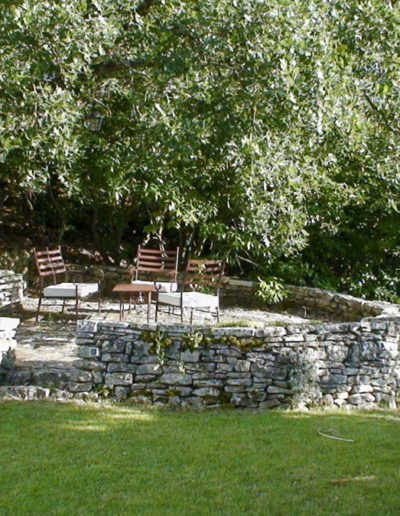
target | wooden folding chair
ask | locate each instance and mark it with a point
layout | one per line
(51, 267)
(199, 275)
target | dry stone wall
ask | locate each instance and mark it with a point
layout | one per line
(350, 365)
(11, 289)
(309, 302)
(8, 344)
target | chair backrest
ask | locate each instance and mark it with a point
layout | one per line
(50, 263)
(204, 272)
(157, 262)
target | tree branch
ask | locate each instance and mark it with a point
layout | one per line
(380, 113)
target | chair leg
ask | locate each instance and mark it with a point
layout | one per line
(155, 317)
(63, 306)
(38, 308)
(191, 316)
(218, 314)
(76, 307)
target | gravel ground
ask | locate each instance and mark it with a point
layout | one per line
(138, 314)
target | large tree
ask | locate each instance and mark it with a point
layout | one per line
(261, 130)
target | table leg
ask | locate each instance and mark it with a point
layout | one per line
(121, 301)
(148, 306)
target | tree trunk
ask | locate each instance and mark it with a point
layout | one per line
(93, 226)
(60, 212)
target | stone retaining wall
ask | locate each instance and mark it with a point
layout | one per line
(11, 289)
(8, 343)
(310, 302)
(350, 365)
(340, 307)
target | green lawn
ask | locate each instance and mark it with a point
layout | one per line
(82, 460)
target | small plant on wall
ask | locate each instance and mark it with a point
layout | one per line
(271, 290)
(193, 341)
(159, 342)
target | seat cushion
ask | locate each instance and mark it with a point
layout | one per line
(69, 289)
(164, 286)
(189, 299)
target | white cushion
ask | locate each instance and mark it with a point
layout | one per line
(189, 300)
(69, 289)
(8, 323)
(164, 286)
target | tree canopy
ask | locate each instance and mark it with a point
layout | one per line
(265, 131)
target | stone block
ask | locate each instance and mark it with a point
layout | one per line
(81, 376)
(224, 367)
(206, 392)
(98, 377)
(121, 393)
(261, 370)
(112, 379)
(121, 367)
(235, 388)
(257, 394)
(195, 402)
(114, 357)
(179, 391)
(145, 378)
(176, 379)
(207, 354)
(114, 347)
(274, 389)
(190, 356)
(90, 365)
(334, 379)
(360, 399)
(336, 352)
(293, 338)
(84, 326)
(361, 389)
(229, 352)
(245, 382)
(209, 382)
(149, 359)
(241, 400)
(79, 387)
(153, 368)
(242, 366)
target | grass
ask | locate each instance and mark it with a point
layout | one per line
(63, 459)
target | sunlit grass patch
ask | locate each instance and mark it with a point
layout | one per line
(106, 460)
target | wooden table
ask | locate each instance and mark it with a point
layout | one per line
(129, 289)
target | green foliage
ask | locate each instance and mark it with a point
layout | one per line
(263, 131)
(192, 341)
(245, 344)
(240, 324)
(159, 342)
(271, 290)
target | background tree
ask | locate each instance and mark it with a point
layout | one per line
(267, 132)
